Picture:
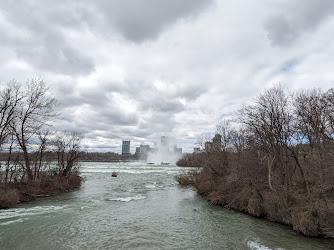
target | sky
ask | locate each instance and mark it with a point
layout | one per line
(139, 69)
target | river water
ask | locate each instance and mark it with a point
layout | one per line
(143, 208)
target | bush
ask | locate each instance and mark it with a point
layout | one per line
(8, 197)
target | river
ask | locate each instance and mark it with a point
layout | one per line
(142, 208)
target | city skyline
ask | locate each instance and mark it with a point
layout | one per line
(145, 148)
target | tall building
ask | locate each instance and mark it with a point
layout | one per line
(164, 149)
(217, 140)
(177, 151)
(164, 141)
(125, 147)
(215, 144)
(164, 144)
(144, 149)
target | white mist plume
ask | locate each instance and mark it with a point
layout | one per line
(164, 154)
(162, 157)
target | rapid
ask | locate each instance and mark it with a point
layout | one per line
(142, 208)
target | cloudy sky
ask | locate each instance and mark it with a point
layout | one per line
(139, 69)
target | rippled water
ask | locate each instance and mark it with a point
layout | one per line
(143, 208)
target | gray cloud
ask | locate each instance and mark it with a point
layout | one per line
(145, 19)
(34, 33)
(294, 18)
(42, 41)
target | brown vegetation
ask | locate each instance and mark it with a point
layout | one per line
(35, 161)
(275, 161)
(13, 194)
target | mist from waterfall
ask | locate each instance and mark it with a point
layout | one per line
(164, 153)
(163, 157)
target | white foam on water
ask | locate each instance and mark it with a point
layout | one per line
(256, 246)
(128, 171)
(127, 199)
(150, 186)
(22, 212)
(10, 222)
(138, 168)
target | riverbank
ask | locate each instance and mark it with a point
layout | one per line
(13, 194)
(221, 182)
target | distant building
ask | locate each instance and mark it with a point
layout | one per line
(144, 149)
(197, 150)
(154, 150)
(216, 143)
(208, 146)
(217, 140)
(164, 142)
(125, 147)
(177, 151)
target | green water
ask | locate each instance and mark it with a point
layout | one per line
(143, 208)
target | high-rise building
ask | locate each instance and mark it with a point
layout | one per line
(177, 151)
(144, 149)
(164, 142)
(217, 140)
(215, 144)
(125, 147)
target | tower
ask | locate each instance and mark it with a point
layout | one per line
(164, 146)
(125, 147)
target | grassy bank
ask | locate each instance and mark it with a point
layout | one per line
(240, 182)
(15, 193)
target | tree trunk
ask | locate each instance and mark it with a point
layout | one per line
(270, 165)
(27, 164)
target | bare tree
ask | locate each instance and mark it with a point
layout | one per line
(9, 99)
(68, 147)
(33, 112)
(239, 139)
(314, 110)
(224, 129)
(310, 111)
(270, 121)
(43, 141)
(203, 138)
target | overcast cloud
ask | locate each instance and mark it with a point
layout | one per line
(141, 69)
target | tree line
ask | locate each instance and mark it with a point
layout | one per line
(107, 157)
(274, 160)
(33, 152)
